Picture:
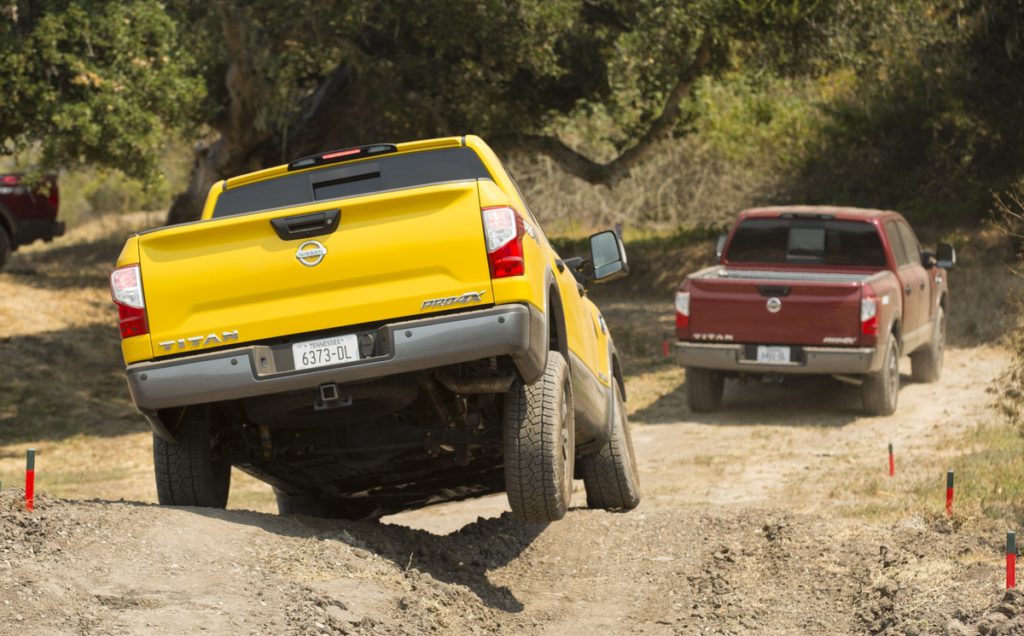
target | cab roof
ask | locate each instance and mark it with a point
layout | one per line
(841, 213)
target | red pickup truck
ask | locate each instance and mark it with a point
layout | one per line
(28, 212)
(815, 290)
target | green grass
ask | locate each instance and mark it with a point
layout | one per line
(988, 463)
(991, 475)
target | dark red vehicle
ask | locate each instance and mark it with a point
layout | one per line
(815, 290)
(28, 212)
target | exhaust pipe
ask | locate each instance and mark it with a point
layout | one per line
(849, 379)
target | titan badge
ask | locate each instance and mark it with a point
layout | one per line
(196, 342)
(714, 337)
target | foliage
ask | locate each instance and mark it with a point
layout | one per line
(96, 82)
(903, 104)
(1008, 218)
(929, 129)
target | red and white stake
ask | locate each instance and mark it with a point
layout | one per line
(949, 494)
(30, 479)
(1011, 560)
(892, 462)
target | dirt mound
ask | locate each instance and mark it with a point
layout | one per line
(128, 567)
(85, 567)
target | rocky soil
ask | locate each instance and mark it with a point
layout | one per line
(744, 529)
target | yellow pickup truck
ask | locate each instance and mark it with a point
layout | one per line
(371, 330)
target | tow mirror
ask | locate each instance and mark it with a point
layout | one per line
(945, 256)
(608, 256)
(720, 246)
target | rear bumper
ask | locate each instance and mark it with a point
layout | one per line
(230, 374)
(816, 360)
(31, 230)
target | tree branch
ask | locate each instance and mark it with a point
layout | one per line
(611, 172)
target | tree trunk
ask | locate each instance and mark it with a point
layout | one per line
(241, 143)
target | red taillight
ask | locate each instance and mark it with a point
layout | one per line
(8, 180)
(869, 316)
(503, 233)
(126, 291)
(682, 312)
(132, 321)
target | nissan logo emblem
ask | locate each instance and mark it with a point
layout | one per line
(773, 305)
(311, 253)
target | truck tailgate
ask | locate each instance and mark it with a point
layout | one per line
(391, 252)
(811, 309)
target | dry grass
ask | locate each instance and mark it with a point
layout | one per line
(988, 463)
(985, 288)
(64, 393)
(685, 183)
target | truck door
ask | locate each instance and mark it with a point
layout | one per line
(913, 247)
(913, 285)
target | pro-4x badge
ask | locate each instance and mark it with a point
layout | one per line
(468, 297)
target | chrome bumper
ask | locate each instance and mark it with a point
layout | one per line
(229, 374)
(823, 360)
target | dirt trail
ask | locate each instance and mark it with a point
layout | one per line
(741, 530)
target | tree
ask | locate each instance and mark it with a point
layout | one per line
(275, 79)
(97, 82)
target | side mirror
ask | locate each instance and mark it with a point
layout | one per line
(608, 256)
(720, 246)
(945, 256)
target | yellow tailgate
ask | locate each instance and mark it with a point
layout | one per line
(390, 253)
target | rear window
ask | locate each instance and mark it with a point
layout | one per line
(807, 241)
(379, 174)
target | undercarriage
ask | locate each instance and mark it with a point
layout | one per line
(375, 447)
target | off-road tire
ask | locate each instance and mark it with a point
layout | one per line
(880, 391)
(6, 245)
(540, 444)
(189, 472)
(926, 362)
(610, 475)
(704, 388)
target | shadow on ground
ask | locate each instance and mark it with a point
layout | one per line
(463, 557)
(798, 401)
(63, 383)
(71, 266)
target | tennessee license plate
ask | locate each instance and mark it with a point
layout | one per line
(325, 352)
(773, 355)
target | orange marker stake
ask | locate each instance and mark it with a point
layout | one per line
(892, 462)
(949, 494)
(664, 348)
(30, 479)
(1011, 560)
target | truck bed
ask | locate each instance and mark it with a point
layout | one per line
(772, 306)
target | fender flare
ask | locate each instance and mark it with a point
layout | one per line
(532, 363)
